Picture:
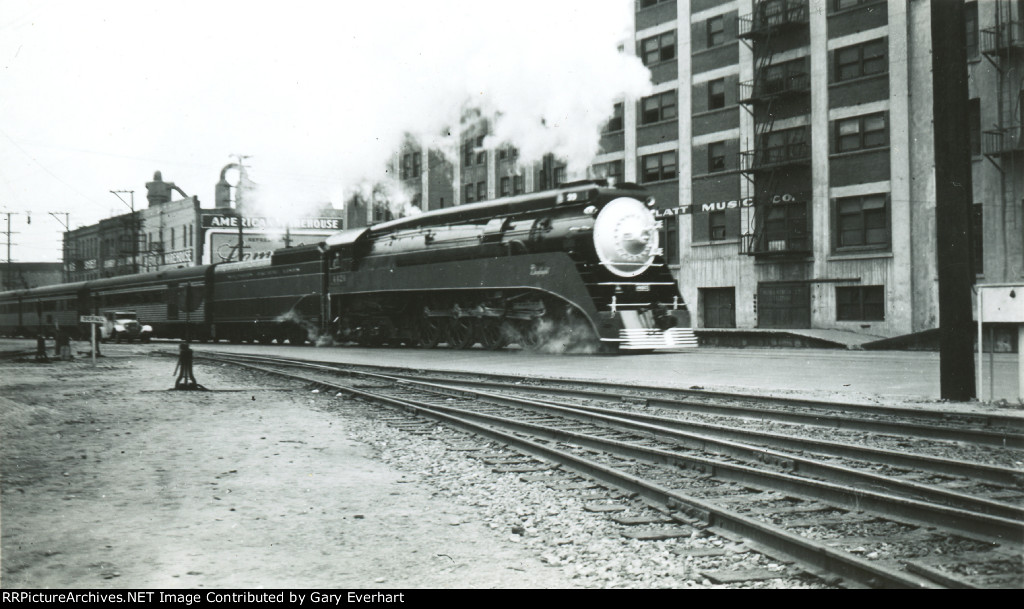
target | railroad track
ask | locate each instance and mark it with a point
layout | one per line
(834, 512)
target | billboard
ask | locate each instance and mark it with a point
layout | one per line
(260, 235)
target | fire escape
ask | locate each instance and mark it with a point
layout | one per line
(779, 226)
(1002, 45)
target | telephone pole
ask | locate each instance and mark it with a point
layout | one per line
(67, 229)
(240, 161)
(9, 274)
(134, 226)
(953, 198)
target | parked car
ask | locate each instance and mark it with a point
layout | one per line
(125, 326)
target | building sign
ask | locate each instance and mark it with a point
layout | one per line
(267, 223)
(154, 261)
(682, 210)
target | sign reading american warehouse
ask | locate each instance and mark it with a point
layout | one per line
(264, 223)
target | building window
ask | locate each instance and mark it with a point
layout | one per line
(559, 176)
(716, 94)
(716, 157)
(615, 123)
(657, 108)
(467, 193)
(417, 164)
(861, 132)
(783, 77)
(657, 49)
(658, 167)
(784, 228)
(716, 225)
(862, 222)
(481, 191)
(467, 154)
(613, 171)
(517, 185)
(842, 5)
(716, 31)
(481, 157)
(860, 303)
(861, 60)
(971, 28)
(506, 186)
(669, 239)
(974, 125)
(978, 238)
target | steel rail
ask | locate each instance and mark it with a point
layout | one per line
(806, 550)
(938, 465)
(997, 527)
(806, 466)
(993, 437)
(985, 429)
(949, 467)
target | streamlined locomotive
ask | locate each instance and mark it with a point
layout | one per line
(577, 268)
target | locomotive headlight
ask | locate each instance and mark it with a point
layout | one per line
(626, 237)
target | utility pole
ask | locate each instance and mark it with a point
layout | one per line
(134, 226)
(953, 198)
(9, 274)
(67, 230)
(240, 161)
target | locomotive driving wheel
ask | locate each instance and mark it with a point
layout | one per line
(492, 334)
(428, 333)
(529, 335)
(461, 333)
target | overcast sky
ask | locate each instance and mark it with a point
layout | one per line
(97, 95)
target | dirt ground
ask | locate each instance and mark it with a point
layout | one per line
(109, 480)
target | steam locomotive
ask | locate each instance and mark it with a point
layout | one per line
(577, 268)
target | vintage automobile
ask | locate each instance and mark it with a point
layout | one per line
(124, 326)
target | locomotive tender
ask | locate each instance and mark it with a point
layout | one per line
(576, 268)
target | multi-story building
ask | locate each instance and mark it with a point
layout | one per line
(169, 234)
(791, 149)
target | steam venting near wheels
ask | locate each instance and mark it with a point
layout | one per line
(626, 237)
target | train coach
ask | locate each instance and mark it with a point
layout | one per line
(577, 268)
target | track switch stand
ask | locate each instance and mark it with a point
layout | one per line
(186, 380)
